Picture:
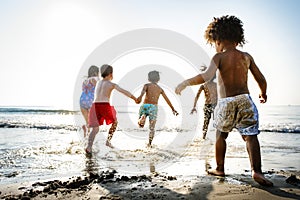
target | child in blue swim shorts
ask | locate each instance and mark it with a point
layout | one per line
(149, 108)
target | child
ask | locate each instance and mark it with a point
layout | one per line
(101, 109)
(210, 92)
(149, 108)
(87, 95)
(235, 107)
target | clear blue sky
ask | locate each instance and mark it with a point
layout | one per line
(44, 43)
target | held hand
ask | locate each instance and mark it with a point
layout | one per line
(193, 110)
(134, 98)
(180, 87)
(175, 112)
(263, 98)
(138, 100)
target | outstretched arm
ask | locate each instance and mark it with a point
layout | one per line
(201, 78)
(169, 103)
(125, 92)
(196, 99)
(260, 79)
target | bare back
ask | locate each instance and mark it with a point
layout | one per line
(233, 73)
(103, 91)
(153, 91)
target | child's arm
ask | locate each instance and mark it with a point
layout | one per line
(125, 92)
(201, 78)
(169, 103)
(196, 99)
(94, 81)
(260, 79)
(139, 99)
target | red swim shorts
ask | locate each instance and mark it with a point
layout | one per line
(100, 112)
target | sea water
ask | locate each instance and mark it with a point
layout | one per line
(45, 143)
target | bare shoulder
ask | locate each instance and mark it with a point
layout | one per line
(217, 58)
(160, 88)
(112, 85)
(250, 59)
(248, 55)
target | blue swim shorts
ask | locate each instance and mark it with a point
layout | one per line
(148, 110)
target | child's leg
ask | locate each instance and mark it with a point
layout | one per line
(207, 116)
(111, 133)
(142, 121)
(220, 151)
(152, 131)
(91, 139)
(253, 149)
(85, 114)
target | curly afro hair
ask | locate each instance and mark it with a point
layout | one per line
(228, 28)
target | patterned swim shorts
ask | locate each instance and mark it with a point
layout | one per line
(237, 112)
(148, 110)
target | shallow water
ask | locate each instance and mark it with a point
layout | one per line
(54, 148)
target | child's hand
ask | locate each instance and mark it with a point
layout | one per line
(262, 98)
(175, 112)
(193, 110)
(180, 87)
(134, 98)
(138, 100)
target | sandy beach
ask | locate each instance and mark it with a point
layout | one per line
(109, 185)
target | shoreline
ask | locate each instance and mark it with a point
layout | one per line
(111, 185)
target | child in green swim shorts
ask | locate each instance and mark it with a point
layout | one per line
(149, 107)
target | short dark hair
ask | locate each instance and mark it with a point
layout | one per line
(106, 70)
(225, 28)
(153, 76)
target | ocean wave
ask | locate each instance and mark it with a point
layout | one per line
(281, 127)
(281, 130)
(38, 126)
(36, 110)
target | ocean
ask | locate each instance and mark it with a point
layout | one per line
(40, 143)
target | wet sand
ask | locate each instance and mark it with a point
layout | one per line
(111, 185)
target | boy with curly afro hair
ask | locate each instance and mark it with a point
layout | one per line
(235, 108)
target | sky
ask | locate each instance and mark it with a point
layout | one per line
(44, 44)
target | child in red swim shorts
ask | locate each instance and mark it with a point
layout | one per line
(101, 109)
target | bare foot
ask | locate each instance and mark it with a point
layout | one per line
(215, 172)
(88, 152)
(84, 130)
(141, 121)
(109, 144)
(259, 178)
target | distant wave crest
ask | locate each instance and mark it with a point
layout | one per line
(36, 110)
(37, 126)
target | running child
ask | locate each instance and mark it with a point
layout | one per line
(235, 108)
(149, 107)
(210, 93)
(87, 95)
(101, 109)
